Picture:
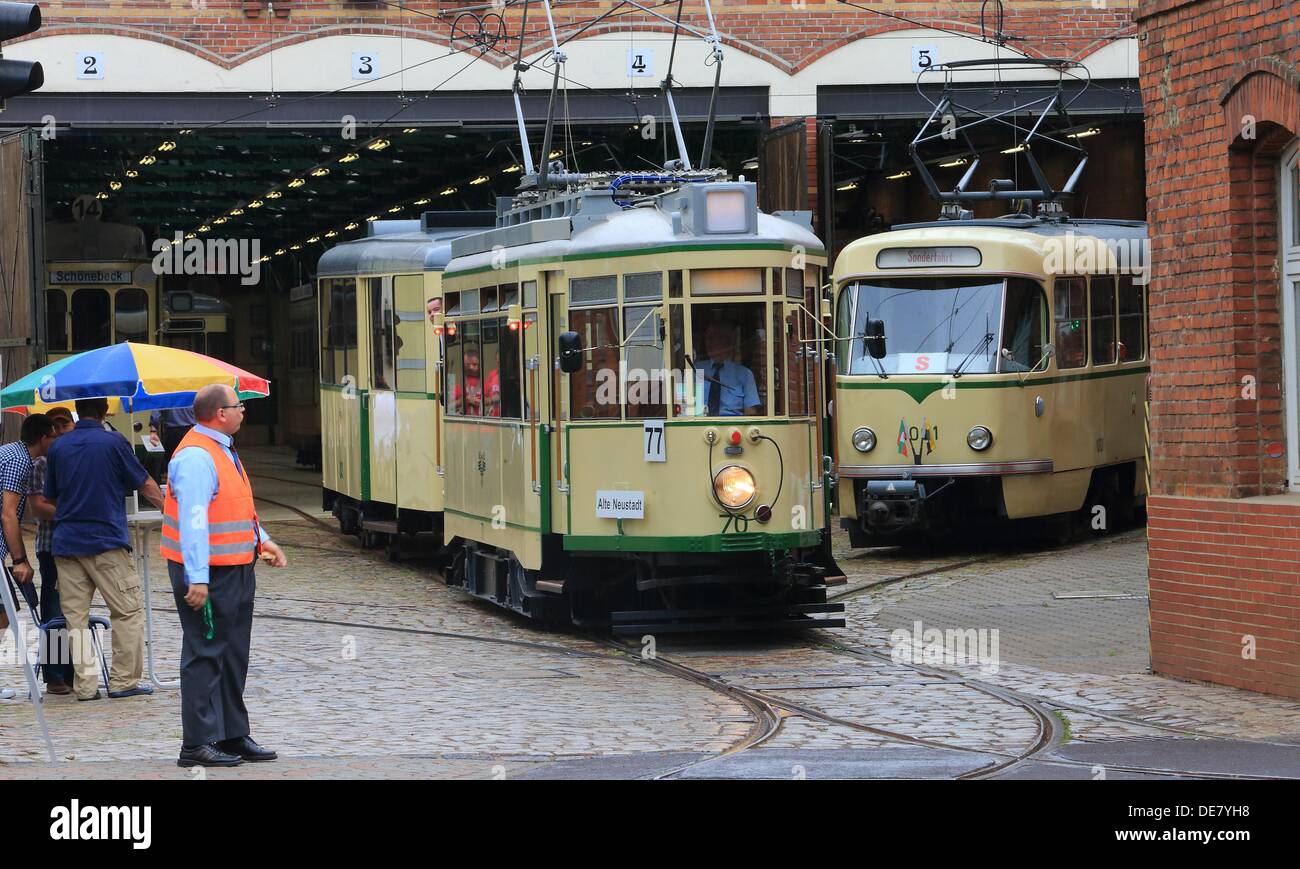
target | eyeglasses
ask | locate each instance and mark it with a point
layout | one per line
(229, 406)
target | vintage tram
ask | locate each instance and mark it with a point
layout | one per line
(632, 433)
(991, 370)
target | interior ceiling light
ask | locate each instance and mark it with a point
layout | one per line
(132, 173)
(297, 182)
(395, 209)
(220, 220)
(280, 252)
(274, 194)
(409, 130)
(331, 234)
(378, 145)
(422, 202)
(898, 176)
(115, 185)
(237, 212)
(204, 228)
(101, 195)
(313, 239)
(186, 132)
(447, 191)
(960, 161)
(1015, 150)
(295, 247)
(352, 225)
(167, 146)
(320, 172)
(256, 203)
(515, 168)
(372, 217)
(348, 158)
(1083, 134)
(555, 154)
(190, 235)
(148, 160)
(482, 179)
(852, 185)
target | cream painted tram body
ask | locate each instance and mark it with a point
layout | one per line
(1007, 380)
(591, 475)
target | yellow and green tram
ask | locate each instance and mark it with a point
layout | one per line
(632, 433)
(380, 420)
(990, 370)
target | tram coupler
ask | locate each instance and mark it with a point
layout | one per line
(891, 505)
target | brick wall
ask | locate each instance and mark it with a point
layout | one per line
(233, 31)
(1222, 95)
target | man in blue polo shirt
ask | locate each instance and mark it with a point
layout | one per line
(88, 474)
(728, 387)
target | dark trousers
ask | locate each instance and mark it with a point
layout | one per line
(213, 671)
(51, 608)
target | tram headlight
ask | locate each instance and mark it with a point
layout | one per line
(979, 438)
(864, 440)
(734, 487)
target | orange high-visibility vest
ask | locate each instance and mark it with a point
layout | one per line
(232, 519)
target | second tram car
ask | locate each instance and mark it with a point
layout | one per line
(990, 370)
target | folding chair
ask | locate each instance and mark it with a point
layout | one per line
(97, 625)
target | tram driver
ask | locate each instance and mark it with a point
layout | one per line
(728, 387)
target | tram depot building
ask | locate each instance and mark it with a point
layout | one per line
(168, 116)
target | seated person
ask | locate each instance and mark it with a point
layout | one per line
(729, 388)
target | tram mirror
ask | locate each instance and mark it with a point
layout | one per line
(874, 339)
(570, 352)
(514, 317)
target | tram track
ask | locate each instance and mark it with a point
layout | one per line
(769, 712)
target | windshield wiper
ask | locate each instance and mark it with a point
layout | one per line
(980, 348)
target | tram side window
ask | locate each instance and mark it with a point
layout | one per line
(468, 390)
(90, 320)
(593, 389)
(455, 368)
(131, 319)
(645, 376)
(778, 357)
(730, 359)
(505, 397)
(1070, 322)
(1102, 315)
(409, 312)
(56, 321)
(1132, 331)
(795, 354)
(491, 360)
(380, 295)
(1022, 333)
(338, 331)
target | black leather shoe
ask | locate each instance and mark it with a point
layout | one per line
(207, 755)
(246, 748)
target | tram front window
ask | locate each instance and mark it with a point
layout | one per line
(730, 358)
(932, 325)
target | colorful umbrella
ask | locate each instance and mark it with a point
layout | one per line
(140, 376)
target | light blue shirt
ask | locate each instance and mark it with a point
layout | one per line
(739, 391)
(192, 481)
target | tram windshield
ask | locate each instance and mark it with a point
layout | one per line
(932, 325)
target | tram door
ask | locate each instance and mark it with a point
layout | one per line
(553, 283)
(381, 398)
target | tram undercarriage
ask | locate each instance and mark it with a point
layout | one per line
(639, 593)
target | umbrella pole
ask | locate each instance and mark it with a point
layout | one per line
(34, 689)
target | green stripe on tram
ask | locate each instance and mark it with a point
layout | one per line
(919, 392)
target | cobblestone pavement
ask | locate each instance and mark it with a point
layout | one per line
(363, 668)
